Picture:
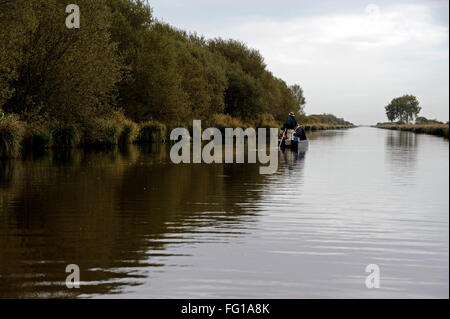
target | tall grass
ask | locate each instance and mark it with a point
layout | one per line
(129, 129)
(152, 132)
(222, 121)
(111, 130)
(37, 137)
(266, 121)
(64, 135)
(433, 129)
(11, 133)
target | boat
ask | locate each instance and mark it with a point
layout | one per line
(295, 145)
(293, 142)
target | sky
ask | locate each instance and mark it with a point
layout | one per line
(350, 57)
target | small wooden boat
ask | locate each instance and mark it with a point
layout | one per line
(295, 145)
(293, 142)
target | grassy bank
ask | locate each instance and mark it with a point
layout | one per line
(433, 129)
(18, 136)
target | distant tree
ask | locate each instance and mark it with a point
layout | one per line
(404, 108)
(424, 120)
(297, 91)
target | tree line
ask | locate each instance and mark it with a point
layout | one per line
(122, 64)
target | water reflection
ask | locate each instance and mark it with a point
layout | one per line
(112, 212)
(401, 154)
(292, 160)
(140, 226)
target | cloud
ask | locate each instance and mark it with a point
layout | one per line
(351, 59)
(355, 63)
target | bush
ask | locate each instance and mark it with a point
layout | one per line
(129, 133)
(105, 132)
(11, 133)
(222, 121)
(129, 129)
(152, 131)
(266, 121)
(64, 136)
(37, 137)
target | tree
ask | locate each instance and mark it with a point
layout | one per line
(243, 97)
(424, 120)
(404, 108)
(297, 91)
(152, 87)
(68, 74)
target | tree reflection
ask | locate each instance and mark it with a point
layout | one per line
(111, 212)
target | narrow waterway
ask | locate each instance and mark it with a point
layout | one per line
(140, 226)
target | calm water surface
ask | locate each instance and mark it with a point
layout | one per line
(139, 226)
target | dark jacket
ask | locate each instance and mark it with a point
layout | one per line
(290, 124)
(300, 133)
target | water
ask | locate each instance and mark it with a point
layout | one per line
(139, 226)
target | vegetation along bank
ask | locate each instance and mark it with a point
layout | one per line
(125, 77)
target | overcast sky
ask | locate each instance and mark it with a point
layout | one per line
(350, 57)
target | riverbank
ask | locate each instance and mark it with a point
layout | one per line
(433, 129)
(17, 136)
(132, 208)
(324, 126)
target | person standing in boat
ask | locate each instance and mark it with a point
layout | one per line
(289, 126)
(291, 122)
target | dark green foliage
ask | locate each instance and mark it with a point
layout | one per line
(37, 137)
(151, 132)
(243, 97)
(404, 108)
(69, 74)
(129, 132)
(297, 91)
(11, 133)
(64, 135)
(67, 84)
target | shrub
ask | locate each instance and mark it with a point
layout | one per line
(106, 132)
(110, 130)
(129, 129)
(64, 135)
(129, 133)
(152, 131)
(11, 133)
(37, 137)
(222, 121)
(266, 121)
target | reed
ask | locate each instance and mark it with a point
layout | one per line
(64, 135)
(223, 121)
(37, 137)
(11, 134)
(266, 121)
(152, 132)
(433, 129)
